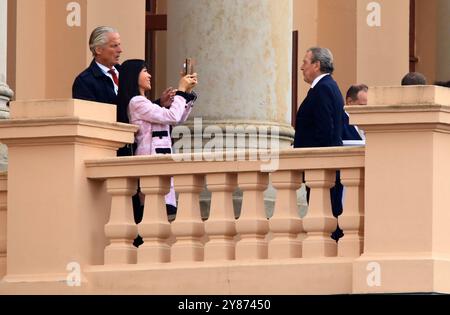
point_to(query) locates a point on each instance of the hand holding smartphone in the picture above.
(188, 67)
(188, 80)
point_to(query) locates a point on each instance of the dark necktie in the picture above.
(114, 76)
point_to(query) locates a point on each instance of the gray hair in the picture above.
(325, 57)
(99, 37)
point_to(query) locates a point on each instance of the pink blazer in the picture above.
(151, 117)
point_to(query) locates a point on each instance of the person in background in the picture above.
(351, 134)
(442, 83)
(414, 78)
(154, 121)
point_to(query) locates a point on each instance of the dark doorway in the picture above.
(153, 22)
(412, 36)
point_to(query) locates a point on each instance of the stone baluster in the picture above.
(351, 221)
(285, 223)
(221, 225)
(188, 226)
(154, 227)
(121, 229)
(319, 222)
(252, 226)
(3, 208)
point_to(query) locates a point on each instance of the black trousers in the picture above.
(336, 202)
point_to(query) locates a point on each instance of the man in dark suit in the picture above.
(99, 82)
(319, 118)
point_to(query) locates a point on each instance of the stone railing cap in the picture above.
(409, 95)
(32, 109)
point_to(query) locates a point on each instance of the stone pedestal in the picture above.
(55, 213)
(406, 239)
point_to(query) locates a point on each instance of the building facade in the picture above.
(73, 231)
(247, 52)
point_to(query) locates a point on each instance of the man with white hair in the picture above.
(99, 82)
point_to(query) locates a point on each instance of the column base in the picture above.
(232, 133)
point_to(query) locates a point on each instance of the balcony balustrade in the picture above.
(67, 226)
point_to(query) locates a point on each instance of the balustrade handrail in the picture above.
(289, 159)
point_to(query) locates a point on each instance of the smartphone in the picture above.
(188, 66)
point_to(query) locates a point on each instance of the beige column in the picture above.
(426, 38)
(305, 18)
(382, 42)
(5, 96)
(5, 92)
(432, 44)
(369, 39)
(3, 38)
(443, 35)
(406, 234)
(242, 51)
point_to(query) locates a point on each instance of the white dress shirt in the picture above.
(316, 80)
(105, 71)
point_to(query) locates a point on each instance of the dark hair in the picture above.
(128, 86)
(442, 83)
(414, 78)
(353, 91)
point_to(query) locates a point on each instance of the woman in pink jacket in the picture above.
(154, 121)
